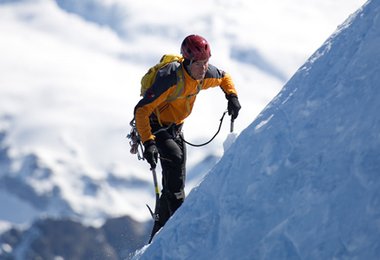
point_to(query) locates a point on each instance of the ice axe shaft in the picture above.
(156, 189)
(154, 213)
(232, 124)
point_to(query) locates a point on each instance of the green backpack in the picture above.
(149, 77)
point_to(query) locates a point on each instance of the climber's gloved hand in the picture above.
(233, 106)
(151, 153)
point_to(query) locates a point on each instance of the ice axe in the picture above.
(154, 214)
(157, 192)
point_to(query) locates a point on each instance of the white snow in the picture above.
(231, 137)
(69, 82)
(301, 181)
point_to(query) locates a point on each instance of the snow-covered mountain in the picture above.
(70, 73)
(302, 181)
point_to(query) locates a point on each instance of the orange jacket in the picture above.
(175, 111)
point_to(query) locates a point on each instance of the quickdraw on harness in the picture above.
(135, 141)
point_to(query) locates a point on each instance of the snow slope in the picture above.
(302, 181)
(69, 80)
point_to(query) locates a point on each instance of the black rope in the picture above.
(209, 141)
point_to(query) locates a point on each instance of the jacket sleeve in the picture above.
(216, 77)
(143, 111)
(227, 85)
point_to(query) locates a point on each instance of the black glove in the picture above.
(151, 153)
(233, 106)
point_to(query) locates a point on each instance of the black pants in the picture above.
(172, 152)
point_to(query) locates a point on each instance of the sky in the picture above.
(302, 180)
(70, 79)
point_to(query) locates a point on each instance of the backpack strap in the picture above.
(180, 85)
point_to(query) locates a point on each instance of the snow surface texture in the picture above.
(302, 181)
(70, 73)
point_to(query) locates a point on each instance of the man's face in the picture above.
(198, 69)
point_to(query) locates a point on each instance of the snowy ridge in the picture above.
(301, 182)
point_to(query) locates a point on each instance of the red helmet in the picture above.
(195, 47)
